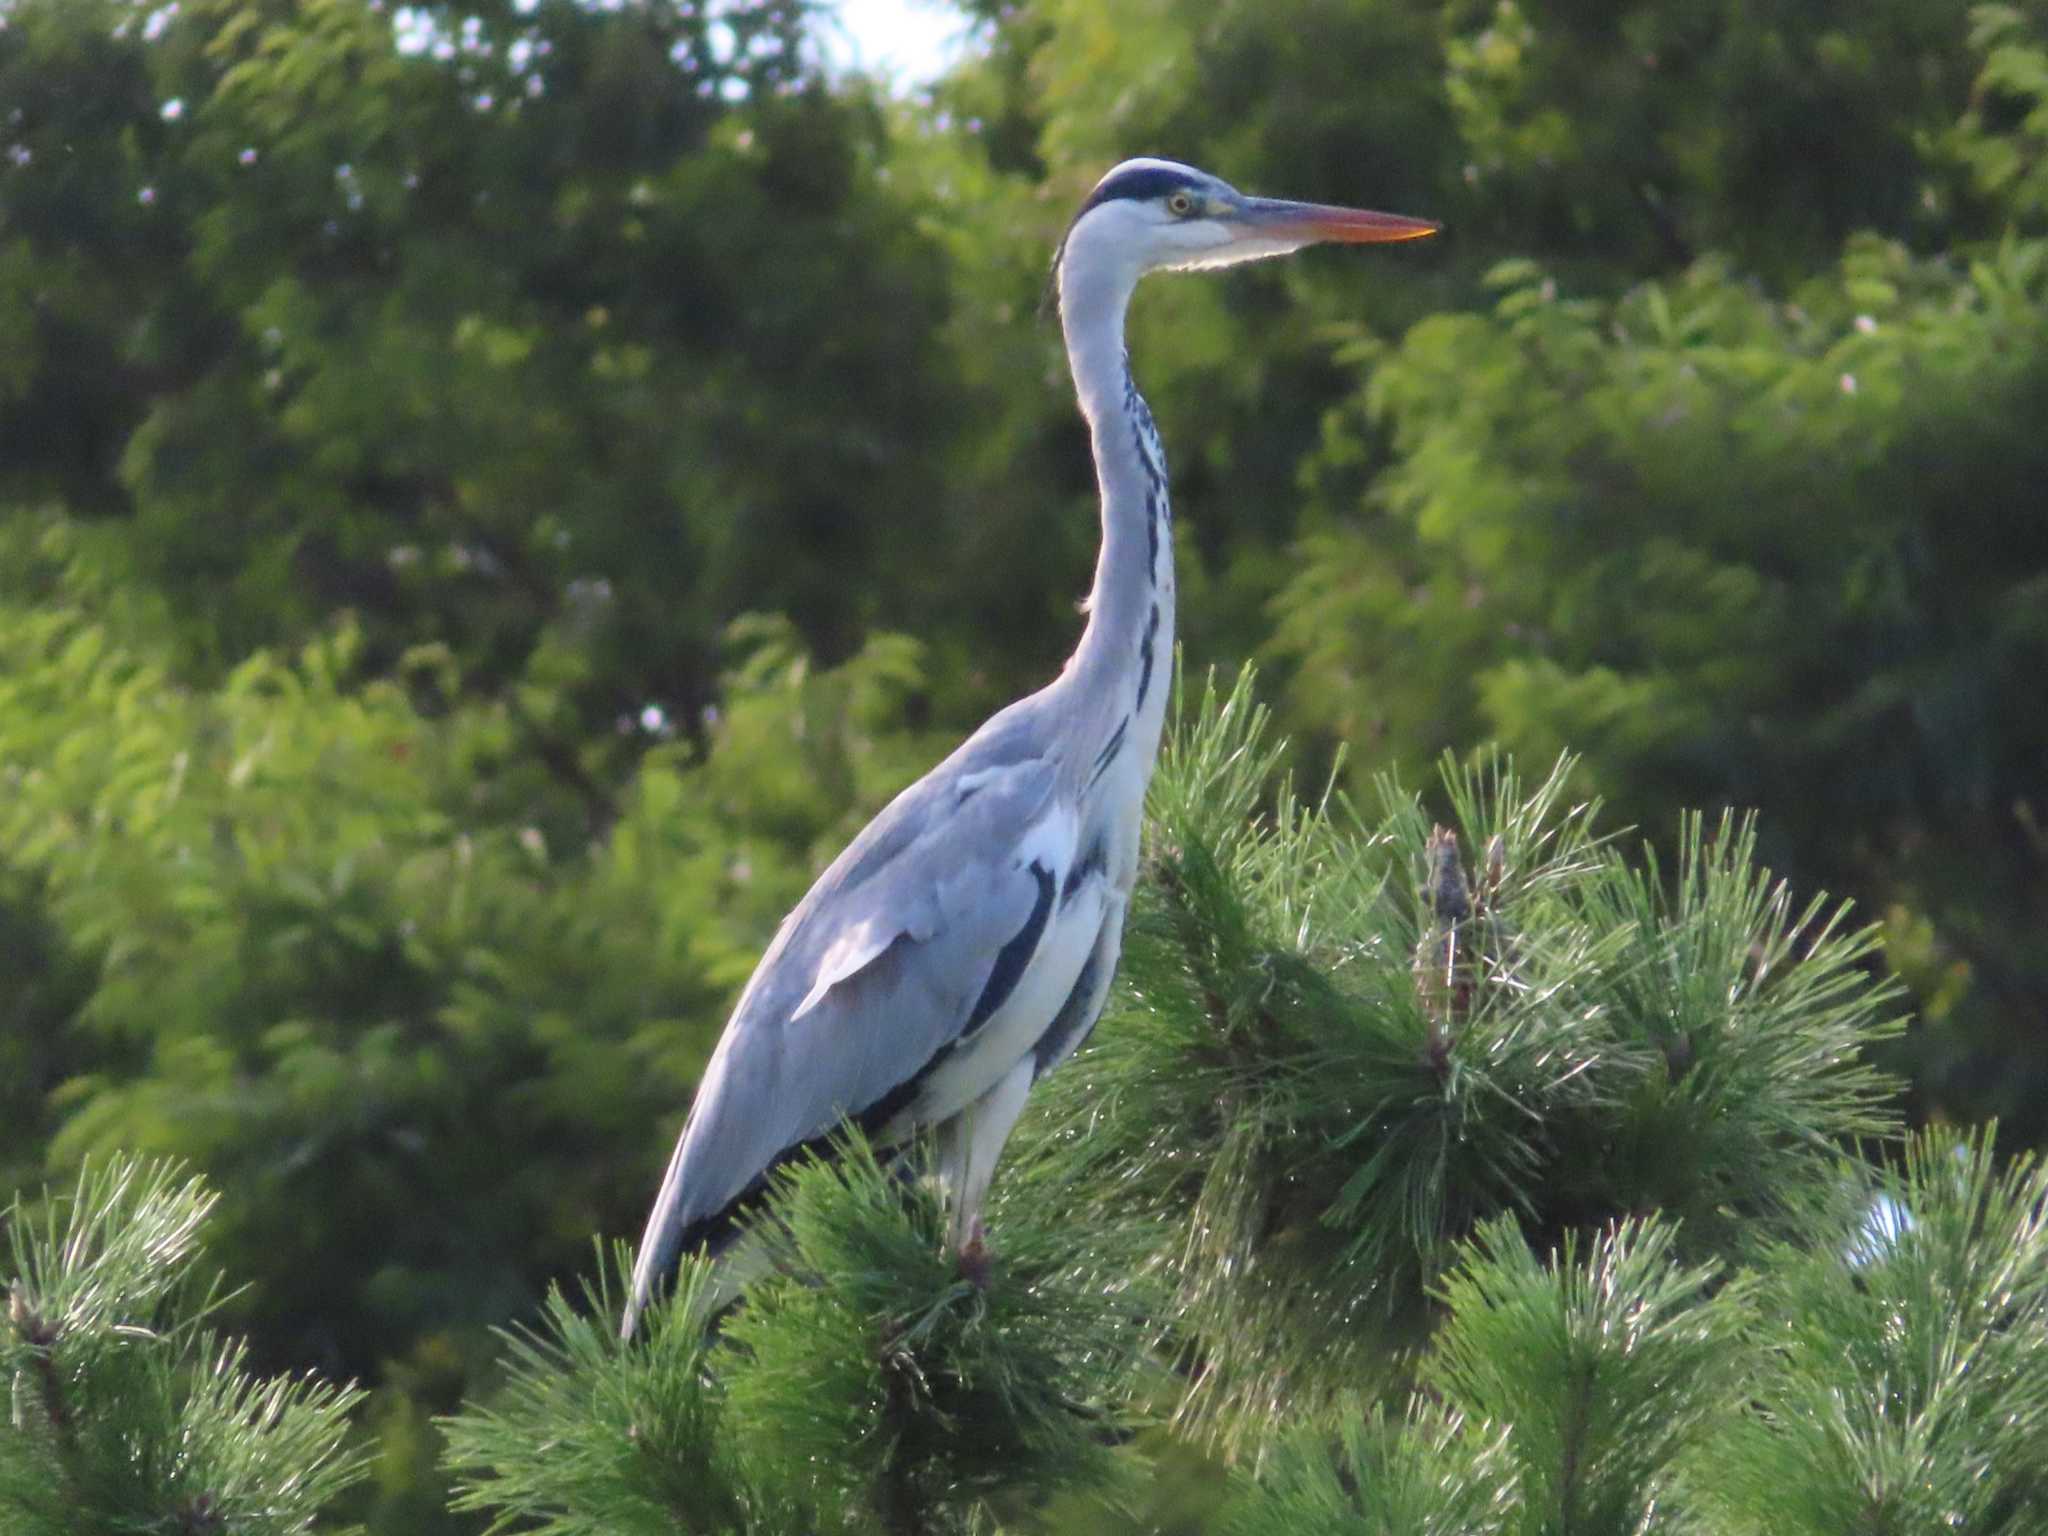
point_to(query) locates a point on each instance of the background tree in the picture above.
(487, 329)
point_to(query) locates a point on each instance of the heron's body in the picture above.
(964, 942)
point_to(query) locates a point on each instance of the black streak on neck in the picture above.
(1145, 655)
(1110, 749)
(1145, 446)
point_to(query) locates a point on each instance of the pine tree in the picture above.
(1470, 1177)
(1526, 1193)
(128, 1413)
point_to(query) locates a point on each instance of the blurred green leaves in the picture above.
(490, 337)
(1734, 549)
(367, 969)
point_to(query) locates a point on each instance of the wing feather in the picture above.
(868, 985)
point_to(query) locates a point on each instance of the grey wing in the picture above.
(869, 984)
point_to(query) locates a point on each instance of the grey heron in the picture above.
(963, 944)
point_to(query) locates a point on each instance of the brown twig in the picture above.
(40, 1335)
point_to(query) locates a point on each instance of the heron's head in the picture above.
(1149, 215)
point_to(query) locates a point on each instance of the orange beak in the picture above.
(1308, 222)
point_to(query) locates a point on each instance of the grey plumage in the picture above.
(964, 943)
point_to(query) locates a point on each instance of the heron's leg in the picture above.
(969, 1146)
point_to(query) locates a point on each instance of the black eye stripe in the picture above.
(1145, 182)
(1139, 185)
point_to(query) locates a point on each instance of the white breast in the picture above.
(1121, 794)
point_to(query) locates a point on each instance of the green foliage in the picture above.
(1736, 550)
(1708, 114)
(1364, 1053)
(865, 1385)
(1904, 1388)
(875, 1371)
(1604, 1367)
(437, 333)
(362, 965)
(128, 1415)
(2003, 137)
(1430, 1474)
(1884, 1375)
(1619, 140)
(1883, 1371)
(588, 1435)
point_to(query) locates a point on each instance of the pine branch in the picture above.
(862, 1385)
(1338, 1052)
(873, 1372)
(1891, 1374)
(1907, 1386)
(1352, 1089)
(589, 1435)
(1434, 1473)
(1605, 1366)
(145, 1421)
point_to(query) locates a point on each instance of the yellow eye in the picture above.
(1180, 205)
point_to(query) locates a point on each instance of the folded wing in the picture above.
(868, 987)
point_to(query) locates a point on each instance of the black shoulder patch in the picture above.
(1094, 862)
(1145, 182)
(1011, 959)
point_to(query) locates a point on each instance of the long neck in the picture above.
(1126, 651)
